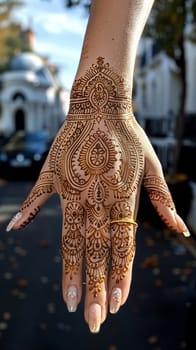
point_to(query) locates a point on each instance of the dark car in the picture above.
(24, 153)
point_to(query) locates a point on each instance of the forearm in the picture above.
(113, 32)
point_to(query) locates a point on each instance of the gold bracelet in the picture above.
(122, 220)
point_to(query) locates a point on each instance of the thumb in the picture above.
(40, 193)
(161, 198)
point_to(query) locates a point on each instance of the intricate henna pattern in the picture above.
(98, 158)
(123, 241)
(100, 92)
(158, 191)
(123, 249)
(95, 160)
(96, 164)
(44, 185)
(97, 235)
(73, 242)
(97, 257)
(30, 217)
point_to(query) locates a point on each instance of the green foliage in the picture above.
(71, 3)
(167, 23)
(11, 42)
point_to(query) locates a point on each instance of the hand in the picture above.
(97, 164)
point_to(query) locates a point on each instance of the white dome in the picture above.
(26, 61)
(30, 62)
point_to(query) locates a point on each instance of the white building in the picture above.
(30, 98)
(157, 97)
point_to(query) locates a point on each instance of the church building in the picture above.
(31, 98)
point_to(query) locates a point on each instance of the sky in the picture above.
(59, 33)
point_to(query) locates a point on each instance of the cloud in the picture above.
(53, 17)
(59, 32)
(56, 23)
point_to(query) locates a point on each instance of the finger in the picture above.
(97, 261)
(72, 248)
(42, 190)
(123, 232)
(161, 198)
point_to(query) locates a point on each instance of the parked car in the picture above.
(23, 153)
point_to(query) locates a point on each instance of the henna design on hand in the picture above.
(158, 191)
(97, 257)
(30, 217)
(98, 158)
(95, 160)
(97, 235)
(101, 92)
(73, 241)
(44, 185)
(123, 249)
(123, 241)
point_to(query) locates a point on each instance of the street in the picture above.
(158, 315)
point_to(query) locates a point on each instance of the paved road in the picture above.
(159, 314)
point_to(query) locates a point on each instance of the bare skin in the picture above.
(97, 164)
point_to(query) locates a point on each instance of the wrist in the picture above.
(101, 92)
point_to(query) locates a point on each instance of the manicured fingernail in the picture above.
(186, 233)
(181, 226)
(72, 299)
(94, 318)
(13, 221)
(115, 301)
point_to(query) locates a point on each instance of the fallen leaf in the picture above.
(8, 276)
(153, 339)
(44, 279)
(158, 283)
(7, 316)
(151, 261)
(176, 271)
(3, 326)
(2, 246)
(150, 242)
(10, 241)
(156, 271)
(166, 253)
(2, 256)
(44, 243)
(23, 282)
(64, 327)
(20, 251)
(57, 259)
(51, 307)
(112, 347)
(43, 326)
(146, 225)
(21, 296)
(56, 287)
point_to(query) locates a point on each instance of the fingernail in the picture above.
(181, 226)
(115, 301)
(13, 221)
(94, 318)
(186, 233)
(72, 299)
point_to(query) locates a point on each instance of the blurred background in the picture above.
(40, 45)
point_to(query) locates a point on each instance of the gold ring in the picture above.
(124, 220)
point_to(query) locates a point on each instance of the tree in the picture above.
(166, 27)
(11, 42)
(71, 3)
